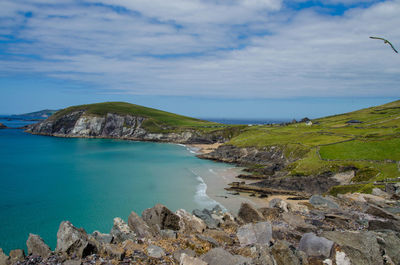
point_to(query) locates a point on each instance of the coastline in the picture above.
(217, 181)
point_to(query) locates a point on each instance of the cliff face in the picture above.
(80, 124)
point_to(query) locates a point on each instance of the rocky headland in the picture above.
(2, 126)
(348, 229)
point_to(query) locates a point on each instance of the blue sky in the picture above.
(205, 58)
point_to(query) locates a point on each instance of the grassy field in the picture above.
(332, 144)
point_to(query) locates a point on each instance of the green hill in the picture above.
(367, 139)
(157, 120)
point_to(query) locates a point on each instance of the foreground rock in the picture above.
(36, 246)
(339, 236)
(73, 241)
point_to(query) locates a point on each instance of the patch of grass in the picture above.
(365, 174)
(359, 150)
(361, 188)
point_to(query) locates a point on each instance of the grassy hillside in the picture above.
(157, 120)
(333, 144)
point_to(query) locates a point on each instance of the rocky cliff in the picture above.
(81, 124)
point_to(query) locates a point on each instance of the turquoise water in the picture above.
(45, 180)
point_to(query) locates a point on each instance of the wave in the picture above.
(201, 197)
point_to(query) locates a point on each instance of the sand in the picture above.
(204, 148)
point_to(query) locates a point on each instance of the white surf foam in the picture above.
(201, 196)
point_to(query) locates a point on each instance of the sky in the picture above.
(204, 58)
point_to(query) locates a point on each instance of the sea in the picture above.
(46, 180)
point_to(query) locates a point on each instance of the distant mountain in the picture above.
(42, 114)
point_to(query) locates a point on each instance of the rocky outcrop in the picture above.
(111, 125)
(36, 246)
(74, 241)
(284, 240)
(2, 126)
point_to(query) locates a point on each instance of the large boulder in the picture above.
(207, 217)
(315, 246)
(260, 233)
(121, 231)
(360, 247)
(249, 214)
(160, 217)
(189, 223)
(219, 256)
(138, 226)
(36, 246)
(279, 204)
(74, 241)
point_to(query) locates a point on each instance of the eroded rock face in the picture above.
(36, 246)
(74, 241)
(16, 255)
(160, 217)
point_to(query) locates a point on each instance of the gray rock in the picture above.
(168, 234)
(160, 217)
(138, 226)
(74, 241)
(390, 243)
(263, 256)
(384, 225)
(177, 254)
(360, 247)
(249, 214)
(283, 254)
(155, 252)
(121, 231)
(208, 239)
(315, 246)
(17, 255)
(279, 203)
(205, 215)
(36, 246)
(379, 192)
(297, 222)
(318, 200)
(379, 212)
(219, 256)
(189, 223)
(115, 251)
(3, 258)
(260, 233)
(102, 238)
(188, 260)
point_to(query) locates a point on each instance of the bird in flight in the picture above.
(386, 42)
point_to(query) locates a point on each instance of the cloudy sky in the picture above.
(207, 58)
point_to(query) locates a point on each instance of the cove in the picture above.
(46, 180)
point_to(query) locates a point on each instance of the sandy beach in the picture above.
(204, 148)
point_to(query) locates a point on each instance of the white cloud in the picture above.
(193, 47)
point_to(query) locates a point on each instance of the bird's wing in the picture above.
(391, 45)
(377, 38)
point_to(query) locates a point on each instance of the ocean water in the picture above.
(45, 180)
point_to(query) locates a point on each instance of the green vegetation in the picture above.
(332, 144)
(157, 120)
